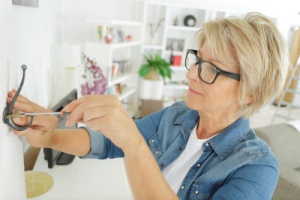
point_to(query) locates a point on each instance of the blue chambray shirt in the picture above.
(235, 164)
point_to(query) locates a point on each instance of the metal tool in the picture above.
(8, 110)
(23, 114)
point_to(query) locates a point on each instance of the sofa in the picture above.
(284, 140)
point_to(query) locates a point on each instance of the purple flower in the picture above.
(95, 81)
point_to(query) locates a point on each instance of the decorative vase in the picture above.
(152, 75)
(153, 38)
(151, 89)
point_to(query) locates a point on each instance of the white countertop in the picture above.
(86, 179)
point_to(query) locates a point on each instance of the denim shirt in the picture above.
(235, 164)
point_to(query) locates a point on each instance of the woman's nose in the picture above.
(192, 73)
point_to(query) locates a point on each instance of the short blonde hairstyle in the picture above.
(261, 53)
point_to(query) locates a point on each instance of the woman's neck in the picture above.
(210, 126)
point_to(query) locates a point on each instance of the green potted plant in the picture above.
(153, 73)
(155, 67)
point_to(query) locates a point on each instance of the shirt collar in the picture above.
(187, 119)
(224, 143)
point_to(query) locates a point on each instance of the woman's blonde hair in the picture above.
(260, 52)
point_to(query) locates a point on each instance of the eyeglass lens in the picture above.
(207, 72)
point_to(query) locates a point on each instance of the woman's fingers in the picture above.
(74, 116)
(21, 121)
(45, 122)
(20, 132)
(39, 133)
(106, 114)
(21, 98)
(79, 107)
(71, 106)
(22, 103)
(102, 114)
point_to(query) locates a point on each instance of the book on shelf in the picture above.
(117, 89)
(120, 67)
(114, 70)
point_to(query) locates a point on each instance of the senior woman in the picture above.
(202, 148)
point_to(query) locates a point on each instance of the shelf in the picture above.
(149, 46)
(178, 68)
(120, 79)
(113, 22)
(126, 93)
(183, 53)
(183, 28)
(176, 87)
(124, 44)
(121, 75)
(115, 45)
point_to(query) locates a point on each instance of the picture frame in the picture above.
(174, 44)
(30, 3)
(120, 36)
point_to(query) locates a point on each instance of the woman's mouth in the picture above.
(194, 92)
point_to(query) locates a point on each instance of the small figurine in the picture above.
(175, 23)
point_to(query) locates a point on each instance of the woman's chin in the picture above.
(191, 103)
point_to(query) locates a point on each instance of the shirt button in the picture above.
(157, 152)
(179, 148)
(198, 165)
(207, 144)
(196, 192)
(152, 141)
(182, 187)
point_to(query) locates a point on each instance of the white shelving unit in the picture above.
(177, 35)
(118, 61)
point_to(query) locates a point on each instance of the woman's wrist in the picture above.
(134, 145)
(50, 142)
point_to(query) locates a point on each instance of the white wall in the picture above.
(12, 177)
(75, 30)
(75, 12)
(41, 32)
(35, 44)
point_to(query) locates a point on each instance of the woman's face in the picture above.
(219, 98)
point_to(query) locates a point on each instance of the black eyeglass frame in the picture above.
(219, 71)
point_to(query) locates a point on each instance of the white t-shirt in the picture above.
(177, 170)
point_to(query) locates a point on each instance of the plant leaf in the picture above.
(161, 66)
(144, 70)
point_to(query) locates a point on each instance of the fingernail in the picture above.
(66, 114)
(68, 123)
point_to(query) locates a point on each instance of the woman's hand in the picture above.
(106, 114)
(39, 134)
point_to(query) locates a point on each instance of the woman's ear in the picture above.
(250, 99)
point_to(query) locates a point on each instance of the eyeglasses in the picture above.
(207, 71)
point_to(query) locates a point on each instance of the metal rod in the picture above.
(22, 114)
(41, 113)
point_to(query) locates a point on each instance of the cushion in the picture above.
(284, 141)
(288, 187)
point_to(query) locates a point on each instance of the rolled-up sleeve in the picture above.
(97, 144)
(102, 147)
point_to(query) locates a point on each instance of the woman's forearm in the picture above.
(145, 177)
(72, 141)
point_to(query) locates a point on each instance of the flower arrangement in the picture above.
(95, 81)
